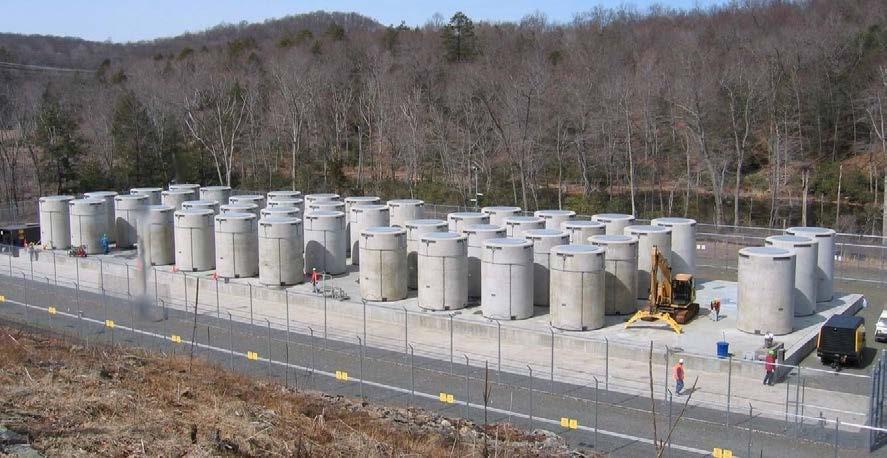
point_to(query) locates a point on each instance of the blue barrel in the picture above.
(723, 349)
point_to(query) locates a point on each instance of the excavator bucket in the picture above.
(647, 315)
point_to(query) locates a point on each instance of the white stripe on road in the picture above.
(374, 384)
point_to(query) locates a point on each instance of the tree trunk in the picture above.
(838, 205)
(806, 180)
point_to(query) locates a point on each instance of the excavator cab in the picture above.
(683, 290)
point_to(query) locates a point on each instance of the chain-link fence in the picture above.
(343, 345)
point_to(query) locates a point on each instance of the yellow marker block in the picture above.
(450, 399)
(109, 324)
(727, 454)
(251, 355)
(176, 339)
(342, 375)
(565, 422)
(722, 453)
(51, 309)
(574, 424)
(443, 397)
(2, 298)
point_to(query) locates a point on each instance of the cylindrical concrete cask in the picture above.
(257, 199)
(648, 237)
(543, 241)
(288, 212)
(578, 294)
(403, 210)
(195, 239)
(89, 221)
(361, 217)
(415, 230)
(159, 234)
(187, 187)
(326, 206)
(201, 205)
(237, 250)
(217, 194)
(242, 207)
(292, 202)
(323, 197)
(55, 222)
(383, 267)
(283, 194)
(507, 271)
(806, 253)
(358, 200)
(477, 234)
(580, 230)
(498, 214)
(766, 290)
(554, 218)
(443, 271)
(175, 197)
(456, 221)
(621, 264)
(325, 242)
(515, 226)
(108, 197)
(128, 208)
(683, 243)
(152, 193)
(825, 260)
(281, 251)
(615, 222)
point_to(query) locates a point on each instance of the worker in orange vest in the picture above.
(315, 277)
(679, 377)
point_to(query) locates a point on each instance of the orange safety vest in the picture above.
(315, 277)
(678, 371)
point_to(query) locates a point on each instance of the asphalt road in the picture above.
(297, 359)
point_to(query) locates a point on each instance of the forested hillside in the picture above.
(734, 115)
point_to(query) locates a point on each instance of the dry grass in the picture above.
(76, 401)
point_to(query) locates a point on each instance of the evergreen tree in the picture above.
(459, 39)
(56, 135)
(133, 138)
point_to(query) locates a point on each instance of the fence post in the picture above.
(467, 386)
(250, 285)
(55, 271)
(80, 324)
(412, 376)
(360, 349)
(452, 368)
(364, 319)
(531, 395)
(128, 289)
(27, 302)
(156, 294)
(323, 293)
(231, 341)
(286, 368)
(406, 329)
(750, 418)
(132, 320)
(76, 268)
(218, 308)
(311, 348)
(729, 388)
(607, 364)
(498, 350)
(665, 379)
(551, 329)
(837, 431)
(596, 405)
(269, 346)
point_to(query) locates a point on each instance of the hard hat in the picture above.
(772, 352)
(681, 361)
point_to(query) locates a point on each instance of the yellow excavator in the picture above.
(672, 299)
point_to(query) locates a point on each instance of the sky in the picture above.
(134, 20)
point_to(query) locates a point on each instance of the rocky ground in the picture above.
(58, 398)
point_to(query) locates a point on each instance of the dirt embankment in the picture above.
(61, 399)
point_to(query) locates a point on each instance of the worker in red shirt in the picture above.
(679, 377)
(315, 277)
(770, 368)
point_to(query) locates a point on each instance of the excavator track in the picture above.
(685, 315)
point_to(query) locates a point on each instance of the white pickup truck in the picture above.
(881, 327)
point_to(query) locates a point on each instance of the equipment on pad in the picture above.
(672, 300)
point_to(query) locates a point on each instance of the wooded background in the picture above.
(758, 112)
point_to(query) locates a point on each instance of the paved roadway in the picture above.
(624, 421)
